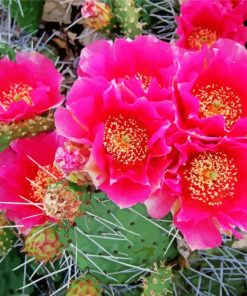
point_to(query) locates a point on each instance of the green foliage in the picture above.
(6, 50)
(10, 280)
(117, 245)
(4, 142)
(27, 13)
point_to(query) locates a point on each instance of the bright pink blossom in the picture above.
(26, 171)
(211, 90)
(237, 6)
(28, 86)
(146, 65)
(204, 22)
(212, 198)
(126, 134)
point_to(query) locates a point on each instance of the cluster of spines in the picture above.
(128, 16)
(159, 282)
(7, 235)
(159, 17)
(27, 128)
(117, 245)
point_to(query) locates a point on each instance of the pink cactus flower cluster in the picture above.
(145, 122)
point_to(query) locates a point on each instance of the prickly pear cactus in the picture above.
(84, 286)
(43, 243)
(7, 236)
(117, 245)
(128, 16)
(159, 17)
(11, 280)
(25, 128)
(159, 283)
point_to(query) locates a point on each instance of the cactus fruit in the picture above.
(97, 14)
(117, 245)
(6, 235)
(60, 202)
(43, 243)
(84, 286)
(159, 283)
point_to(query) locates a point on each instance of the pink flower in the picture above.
(211, 90)
(26, 171)
(212, 198)
(28, 86)
(204, 22)
(126, 134)
(238, 6)
(146, 65)
(161, 200)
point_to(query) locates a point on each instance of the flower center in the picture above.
(200, 36)
(219, 100)
(211, 178)
(16, 92)
(126, 140)
(46, 176)
(143, 78)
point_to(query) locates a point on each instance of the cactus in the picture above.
(43, 243)
(27, 13)
(159, 17)
(10, 279)
(83, 286)
(117, 245)
(7, 236)
(25, 128)
(128, 16)
(159, 283)
(219, 271)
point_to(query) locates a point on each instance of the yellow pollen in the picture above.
(143, 78)
(44, 178)
(16, 92)
(200, 36)
(219, 100)
(211, 178)
(126, 140)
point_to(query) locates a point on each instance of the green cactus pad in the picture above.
(25, 128)
(128, 16)
(117, 245)
(7, 235)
